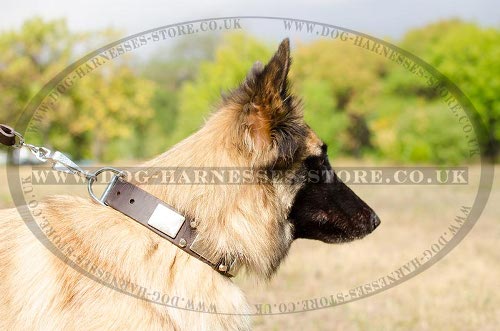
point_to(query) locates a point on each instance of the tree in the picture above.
(468, 55)
(170, 67)
(28, 59)
(338, 82)
(103, 106)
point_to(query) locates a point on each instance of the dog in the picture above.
(260, 126)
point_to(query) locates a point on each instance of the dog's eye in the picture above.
(314, 162)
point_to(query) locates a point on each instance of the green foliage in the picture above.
(468, 55)
(28, 58)
(338, 82)
(321, 113)
(102, 109)
(359, 102)
(109, 104)
(169, 68)
(412, 130)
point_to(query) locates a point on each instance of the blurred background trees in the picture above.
(90, 121)
(338, 83)
(470, 57)
(361, 104)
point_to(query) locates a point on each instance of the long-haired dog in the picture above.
(259, 126)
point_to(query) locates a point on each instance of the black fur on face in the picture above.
(326, 209)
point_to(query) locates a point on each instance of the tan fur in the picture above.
(256, 126)
(40, 291)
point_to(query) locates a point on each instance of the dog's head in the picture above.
(272, 132)
(260, 126)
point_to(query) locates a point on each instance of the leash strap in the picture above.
(7, 136)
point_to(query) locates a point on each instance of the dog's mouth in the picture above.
(340, 236)
(333, 233)
(331, 213)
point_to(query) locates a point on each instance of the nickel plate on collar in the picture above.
(166, 220)
(228, 267)
(198, 248)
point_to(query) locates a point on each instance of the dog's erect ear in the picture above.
(267, 109)
(276, 71)
(272, 79)
(269, 120)
(254, 72)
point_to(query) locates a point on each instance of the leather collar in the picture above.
(163, 220)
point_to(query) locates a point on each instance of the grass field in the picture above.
(460, 292)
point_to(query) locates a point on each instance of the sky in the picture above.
(379, 18)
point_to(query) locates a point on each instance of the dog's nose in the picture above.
(374, 221)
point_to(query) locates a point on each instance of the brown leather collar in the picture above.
(163, 220)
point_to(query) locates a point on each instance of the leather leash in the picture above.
(7, 136)
(133, 202)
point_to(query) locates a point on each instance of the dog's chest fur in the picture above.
(117, 250)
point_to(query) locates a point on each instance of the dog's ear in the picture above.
(275, 74)
(253, 74)
(271, 80)
(268, 108)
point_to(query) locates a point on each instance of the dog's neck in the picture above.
(222, 212)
